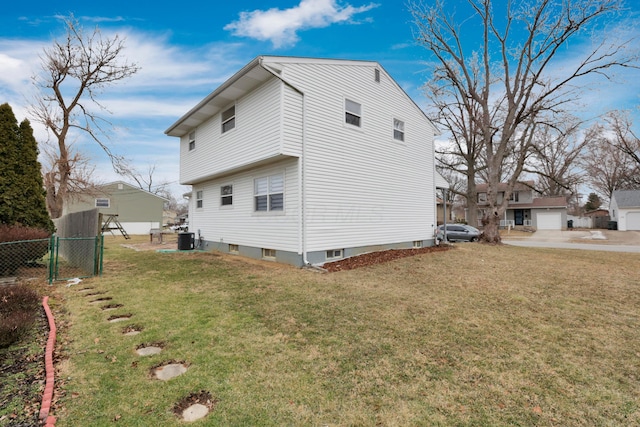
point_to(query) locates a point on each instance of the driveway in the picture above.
(595, 240)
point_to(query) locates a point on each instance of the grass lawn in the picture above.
(478, 335)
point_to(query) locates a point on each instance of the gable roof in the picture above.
(252, 75)
(627, 198)
(132, 187)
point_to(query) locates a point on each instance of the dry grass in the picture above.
(479, 335)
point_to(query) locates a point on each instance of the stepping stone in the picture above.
(131, 330)
(148, 351)
(172, 370)
(114, 319)
(195, 412)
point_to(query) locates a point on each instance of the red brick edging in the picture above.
(49, 370)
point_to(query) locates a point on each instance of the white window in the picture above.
(192, 141)
(269, 193)
(229, 119)
(482, 197)
(268, 253)
(234, 249)
(352, 112)
(103, 203)
(515, 196)
(417, 244)
(199, 199)
(398, 130)
(226, 195)
(334, 254)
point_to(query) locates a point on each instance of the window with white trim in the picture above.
(515, 196)
(192, 141)
(234, 249)
(103, 203)
(334, 254)
(269, 193)
(417, 244)
(228, 119)
(352, 112)
(398, 130)
(226, 195)
(482, 197)
(199, 199)
(268, 253)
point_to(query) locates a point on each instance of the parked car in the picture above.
(180, 227)
(458, 232)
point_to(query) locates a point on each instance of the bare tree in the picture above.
(505, 84)
(625, 138)
(74, 73)
(555, 154)
(143, 180)
(607, 167)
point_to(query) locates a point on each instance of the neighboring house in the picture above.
(138, 211)
(526, 209)
(625, 209)
(307, 161)
(443, 185)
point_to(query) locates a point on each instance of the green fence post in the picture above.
(52, 244)
(101, 251)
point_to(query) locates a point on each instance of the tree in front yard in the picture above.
(495, 62)
(22, 196)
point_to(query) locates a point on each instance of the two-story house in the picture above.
(306, 161)
(137, 210)
(526, 208)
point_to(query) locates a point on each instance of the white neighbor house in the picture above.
(625, 209)
(306, 161)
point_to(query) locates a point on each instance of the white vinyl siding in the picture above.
(360, 190)
(242, 225)
(257, 136)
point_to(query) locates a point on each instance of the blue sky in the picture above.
(186, 50)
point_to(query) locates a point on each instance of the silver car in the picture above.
(458, 232)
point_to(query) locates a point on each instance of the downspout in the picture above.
(301, 168)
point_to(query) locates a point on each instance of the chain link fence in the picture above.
(25, 258)
(56, 258)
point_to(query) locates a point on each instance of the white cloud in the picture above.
(281, 26)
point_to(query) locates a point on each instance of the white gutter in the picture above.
(301, 168)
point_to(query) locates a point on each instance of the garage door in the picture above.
(549, 221)
(633, 221)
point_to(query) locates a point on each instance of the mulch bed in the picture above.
(379, 257)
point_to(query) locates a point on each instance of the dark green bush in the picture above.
(19, 307)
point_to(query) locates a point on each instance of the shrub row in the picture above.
(19, 307)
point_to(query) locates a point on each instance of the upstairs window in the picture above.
(515, 197)
(192, 141)
(103, 203)
(226, 195)
(482, 197)
(398, 130)
(229, 119)
(199, 199)
(352, 112)
(269, 193)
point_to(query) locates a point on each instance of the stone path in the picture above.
(194, 409)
